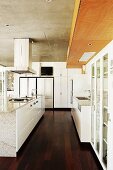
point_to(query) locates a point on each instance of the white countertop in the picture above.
(11, 106)
(83, 102)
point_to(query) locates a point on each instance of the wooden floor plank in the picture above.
(53, 145)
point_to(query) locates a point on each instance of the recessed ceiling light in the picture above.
(90, 44)
(86, 56)
(48, 0)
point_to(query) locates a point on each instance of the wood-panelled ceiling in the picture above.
(93, 29)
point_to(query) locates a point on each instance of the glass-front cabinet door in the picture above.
(1, 86)
(98, 105)
(99, 111)
(105, 110)
(92, 101)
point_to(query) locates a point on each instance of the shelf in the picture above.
(106, 124)
(111, 67)
(106, 107)
(105, 72)
(105, 77)
(105, 90)
(105, 140)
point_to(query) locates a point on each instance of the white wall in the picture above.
(81, 85)
(81, 81)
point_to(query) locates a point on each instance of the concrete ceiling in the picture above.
(47, 23)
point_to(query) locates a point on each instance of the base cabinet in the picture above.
(82, 120)
(26, 119)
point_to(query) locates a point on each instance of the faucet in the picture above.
(33, 92)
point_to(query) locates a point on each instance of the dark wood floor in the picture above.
(53, 145)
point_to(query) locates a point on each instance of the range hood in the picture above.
(22, 56)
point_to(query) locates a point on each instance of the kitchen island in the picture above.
(17, 120)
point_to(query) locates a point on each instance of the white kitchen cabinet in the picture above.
(2, 85)
(82, 118)
(101, 114)
(60, 85)
(26, 119)
(60, 70)
(72, 72)
(78, 85)
(60, 92)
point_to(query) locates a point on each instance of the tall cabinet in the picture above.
(60, 88)
(99, 113)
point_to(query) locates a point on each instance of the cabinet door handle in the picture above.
(94, 107)
(109, 119)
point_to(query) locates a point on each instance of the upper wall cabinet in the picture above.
(2, 77)
(60, 72)
(73, 72)
(60, 69)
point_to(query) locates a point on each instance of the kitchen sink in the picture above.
(82, 98)
(20, 99)
(17, 100)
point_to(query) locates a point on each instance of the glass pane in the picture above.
(0, 83)
(97, 105)
(105, 107)
(1, 86)
(23, 87)
(32, 87)
(10, 81)
(92, 103)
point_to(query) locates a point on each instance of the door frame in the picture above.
(36, 85)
